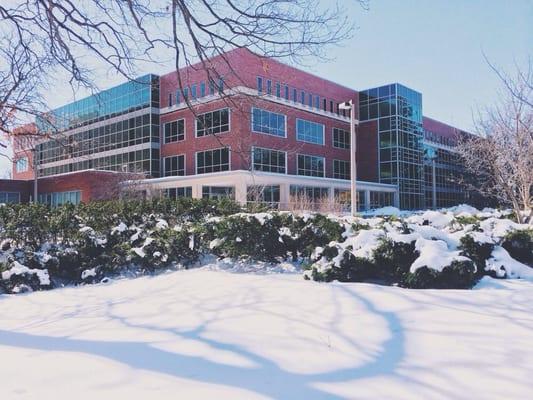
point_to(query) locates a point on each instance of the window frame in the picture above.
(266, 133)
(333, 138)
(211, 150)
(212, 134)
(165, 141)
(176, 156)
(312, 122)
(310, 155)
(269, 172)
(348, 169)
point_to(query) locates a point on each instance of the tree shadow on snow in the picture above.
(265, 377)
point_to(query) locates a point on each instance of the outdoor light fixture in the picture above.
(348, 105)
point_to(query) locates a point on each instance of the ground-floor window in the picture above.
(343, 196)
(174, 193)
(218, 192)
(263, 194)
(56, 199)
(312, 193)
(9, 197)
(381, 199)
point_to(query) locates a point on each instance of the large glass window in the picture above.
(310, 165)
(269, 160)
(268, 122)
(174, 193)
(341, 169)
(22, 164)
(174, 131)
(212, 161)
(174, 166)
(212, 122)
(57, 199)
(263, 194)
(313, 193)
(218, 192)
(341, 138)
(310, 132)
(9, 197)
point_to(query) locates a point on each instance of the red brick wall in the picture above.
(20, 186)
(440, 128)
(367, 151)
(241, 138)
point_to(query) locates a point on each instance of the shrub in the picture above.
(458, 275)
(519, 244)
(393, 259)
(478, 252)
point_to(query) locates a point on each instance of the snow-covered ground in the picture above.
(212, 334)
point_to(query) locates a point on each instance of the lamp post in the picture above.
(348, 105)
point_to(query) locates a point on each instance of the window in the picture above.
(267, 160)
(341, 138)
(331, 109)
(174, 166)
(317, 102)
(278, 89)
(220, 85)
(263, 194)
(211, 88)
(202, 89)
(294, 95)
(59, 198)
(22, 164)
(174, 193)
(193, 92)
(310, 165)
(310, 132)
(325, 105)
(286, 92)
(264, 121)
(212, 161)
(178, 97)
(315, 194)
(174, 131)
(341, 169)
(310, 100)
(212, 122)
(218, 192)
(9, 197)
(170, 99)
(302, 97)
(269, 86)
(186, 93)
(259, 85)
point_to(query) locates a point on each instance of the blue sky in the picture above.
(433, 46)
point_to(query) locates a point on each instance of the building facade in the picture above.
(268, 133)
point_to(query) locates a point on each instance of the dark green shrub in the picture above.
(393, 259)
(477, 252)
(519, 244)
(458, 275)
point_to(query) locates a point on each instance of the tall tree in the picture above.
(501, 157)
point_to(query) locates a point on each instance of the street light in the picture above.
(348, 105)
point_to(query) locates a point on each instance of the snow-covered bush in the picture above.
(519, 244)
(457, 275)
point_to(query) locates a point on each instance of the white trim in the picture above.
(212, 134)
(312, 122)
(265, 133)
(253, 93)
(311, 155)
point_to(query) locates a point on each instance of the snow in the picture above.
(119, 228)
(211, 334)
(88, 273)
(19, 269)
(384, 211)
(434, 254)
(506, 266)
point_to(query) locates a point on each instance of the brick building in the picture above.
(259, 131)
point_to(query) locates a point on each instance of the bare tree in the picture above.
(501, 157)
(67, 38)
